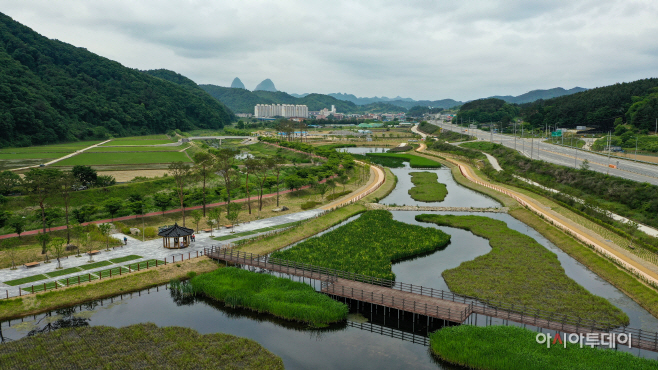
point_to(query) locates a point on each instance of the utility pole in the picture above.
(522, 139)
(636, 138)
(491, 131)
(514, 135)
(532, 146)
(609, 141)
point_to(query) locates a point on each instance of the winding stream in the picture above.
(371, 339)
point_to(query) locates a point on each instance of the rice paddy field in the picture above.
(138, 148)
(55, 148)
(138, 346)
(367, 245)
(520, 271)
(511, 348)
(266, 293)
(91, 159)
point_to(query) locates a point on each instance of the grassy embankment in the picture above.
(272, 243)
(138, 346)
(92, 159)
(414, 160)
(644, 295)
(522, 272)
(510, 348)
(280, 297)
(96, 289)
(427, 188)
(368, 245)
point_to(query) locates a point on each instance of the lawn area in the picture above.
(367, 245)
(63, 272)
(414, 161)
(126, 258)
(90, 159)
(40, 287)
(78, 279)
(60, 148)
(145, 137)
(139, 142)
(139, 346)
(95, 265)
(26, 280)
(252, 232)
(145, 264)
(511, 347)
(427, 188)
(520, 271)
(112, 272)
(137, 148)
(281, 297)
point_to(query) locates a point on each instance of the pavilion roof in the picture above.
(176, 231)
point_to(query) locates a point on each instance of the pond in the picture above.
(372, 338)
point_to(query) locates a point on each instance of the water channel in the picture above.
(372, 337)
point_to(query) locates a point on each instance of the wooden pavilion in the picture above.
(180, 234)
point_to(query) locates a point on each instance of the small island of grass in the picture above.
(141, 346)
(511, 348)
(427, 188)
(522, 272)
(281, 297)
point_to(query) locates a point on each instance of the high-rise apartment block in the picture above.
(283, 110)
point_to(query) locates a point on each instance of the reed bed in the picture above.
(427, 187)
(511, 348)
(266, 293)
(367, 245)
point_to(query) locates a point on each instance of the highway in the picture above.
(570, 157)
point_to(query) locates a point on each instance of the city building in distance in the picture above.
(283, 110)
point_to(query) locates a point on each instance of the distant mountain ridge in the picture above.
(266, 85)
(237, 84)
(535, 95)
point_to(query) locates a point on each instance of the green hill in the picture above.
(597, 107)
(51, 91)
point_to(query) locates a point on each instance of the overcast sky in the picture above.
(430, 49)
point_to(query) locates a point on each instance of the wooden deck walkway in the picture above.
(430, 302)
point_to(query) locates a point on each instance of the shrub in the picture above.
(309, 205)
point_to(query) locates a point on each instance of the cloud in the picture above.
(422, 49)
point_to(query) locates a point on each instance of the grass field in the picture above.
(145, 137)
(511, 348)
(40, 287)
(138, 142)
(63, 272)
(31, 155)
(414, 161)
(252, 232)
(137, 148)
(427, 188)
(140, 346)
(281, 297)
(126, 258)
(95, 265)
(367, 245)
(60, 148)
(26, 280)
(90, 159)
(520, 271)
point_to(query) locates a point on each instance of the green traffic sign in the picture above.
(556, 133)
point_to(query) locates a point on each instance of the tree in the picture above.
(88, 244)
(264, 166)
(78, 232)
(277, 164)
(9, 245)
(86, 175)
(105, 231)
(213, 217)
(84, 213)
(251, 165)
(8, 182)
(41, 184)
(112, 206)
(342, 179)
(44, 238)
(181, 173)
(322, 189)
(57, 246)
(294, 182)
(233, 213)
(196, 216)
(203, 162)
(17, 222)
(585, 165)
(225, 167)
(52, 215)
(65, 186)
(162, 201)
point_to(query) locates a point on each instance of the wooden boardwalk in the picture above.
(430, 302)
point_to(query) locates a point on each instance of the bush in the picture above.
(150, 232)
(310, 205)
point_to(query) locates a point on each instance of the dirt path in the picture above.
(639, 267)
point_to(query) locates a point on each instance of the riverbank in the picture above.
(134, 347)
(511, 348)
(96, 289)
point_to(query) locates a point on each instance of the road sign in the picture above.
(556, 133)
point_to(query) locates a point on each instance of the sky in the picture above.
(423, 49)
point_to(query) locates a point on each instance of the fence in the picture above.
(97, 275)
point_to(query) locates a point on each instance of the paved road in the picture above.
(536, 149)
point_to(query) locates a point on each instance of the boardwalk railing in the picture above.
(492, 308)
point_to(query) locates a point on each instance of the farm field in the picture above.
(137, 148)
(367, 245)
(90, 159)
(520, 271)
(30, 155)
(139, 142)
(56, 148)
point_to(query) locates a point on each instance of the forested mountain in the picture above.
(487, 110)
(51, 91)
(597, 107)
(444, 103)
(534, 95)
(243, 101)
